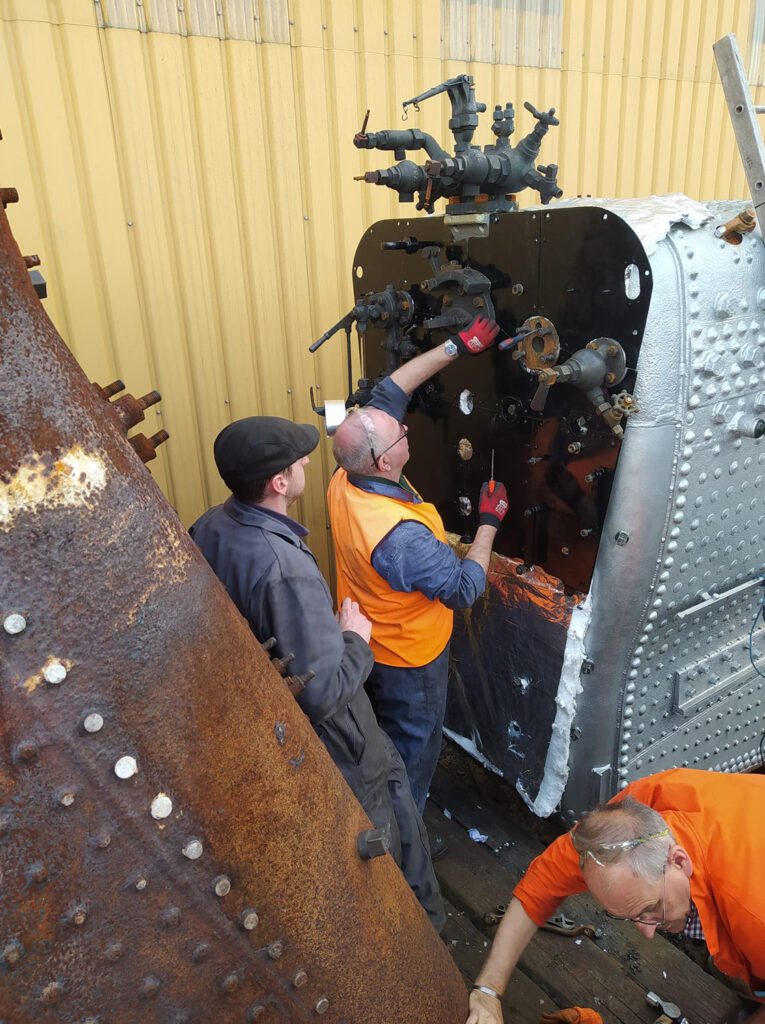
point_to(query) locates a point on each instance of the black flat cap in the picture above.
(259, 447)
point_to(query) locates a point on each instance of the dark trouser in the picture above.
(410, 705)
(373, 769)
(416, 864)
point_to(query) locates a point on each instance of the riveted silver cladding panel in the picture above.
(672, 683)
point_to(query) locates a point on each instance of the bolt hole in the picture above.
(739, 108)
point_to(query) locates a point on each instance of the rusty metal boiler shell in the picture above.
(175, 842)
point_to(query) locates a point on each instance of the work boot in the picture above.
(439, 846)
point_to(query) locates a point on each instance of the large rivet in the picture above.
(126, 767)
(248, 919)
(193, 849)
(161, 806)
(276, 949)
(321, 1005)
(201, 952)
(222, 885)
(114, 951)
(150, 986)
(52, 992)
(171, 917)
(54, 673)
(93, 722)
(12, 951)
(299, 978)
(14, 623)
(255, 1011)
(230, 983)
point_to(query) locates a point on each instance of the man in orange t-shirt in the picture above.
(680, 851)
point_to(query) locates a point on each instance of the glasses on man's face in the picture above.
(401, 436)
(649, 916)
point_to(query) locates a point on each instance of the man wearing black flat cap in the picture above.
(258, 552)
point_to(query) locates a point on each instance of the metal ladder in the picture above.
(743, 115)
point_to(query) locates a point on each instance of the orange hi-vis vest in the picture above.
(408, 629)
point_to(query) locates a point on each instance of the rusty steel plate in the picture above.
(175, 843)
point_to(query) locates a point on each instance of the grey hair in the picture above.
(625, 832)
(354, 452)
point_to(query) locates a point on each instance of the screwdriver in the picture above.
(491, 477)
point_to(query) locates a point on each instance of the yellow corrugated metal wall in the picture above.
(185, 170)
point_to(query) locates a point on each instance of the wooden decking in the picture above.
(611, 973)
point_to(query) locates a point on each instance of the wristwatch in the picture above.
(450, 348)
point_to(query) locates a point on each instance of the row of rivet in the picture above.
(161, 807)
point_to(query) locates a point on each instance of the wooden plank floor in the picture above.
(610, 974)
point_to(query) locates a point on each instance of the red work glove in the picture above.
(492, 508)
(476, 338)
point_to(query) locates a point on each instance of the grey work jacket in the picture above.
(273, 579)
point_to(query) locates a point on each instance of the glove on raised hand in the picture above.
(492, 508)
(477, 337)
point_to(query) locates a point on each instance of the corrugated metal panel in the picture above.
(188, 178)
(261, 21)
(522, 32)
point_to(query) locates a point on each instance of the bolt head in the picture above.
(201, 952)
(249, 919)
(12, 952)
(151, 985)
(222, 885)
(140, 883)
(38, 872)
(161, 806)
(66, 797)
(78, 916)
(321, 1005)
(299, 978)
(255, 1011)
(126, 767)
(93, 722)
(52, 992)
(230, 983)
(26, 751)
(621, 538)
(114, 951)
(193, 849)
(276, 949)
(14, 623)
(55, 673)
(171, 917)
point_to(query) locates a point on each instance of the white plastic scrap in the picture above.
(476, 836)
(447, 813)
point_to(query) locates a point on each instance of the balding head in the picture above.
(363, 432)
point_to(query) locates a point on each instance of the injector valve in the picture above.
(473, 180)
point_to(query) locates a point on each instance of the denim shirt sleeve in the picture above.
(410, 558)
(389, 397)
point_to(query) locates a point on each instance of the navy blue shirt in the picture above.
(410, 557)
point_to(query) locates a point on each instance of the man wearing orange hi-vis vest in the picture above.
(392, 557)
